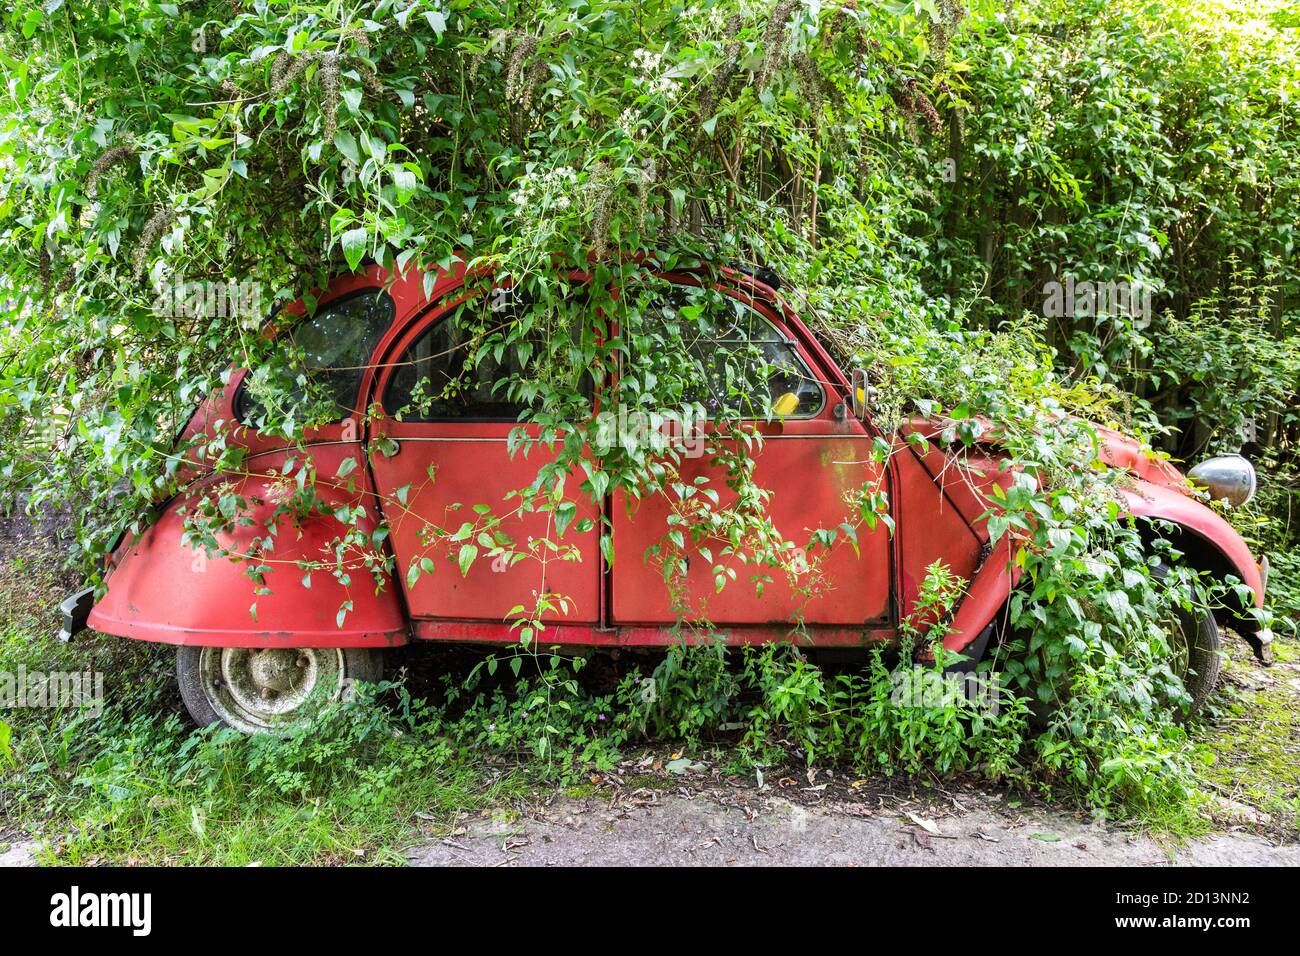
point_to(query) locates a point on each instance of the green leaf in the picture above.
(346, 144)
(404, 183)
(564, 514)
(437, 22)
(354, 246)
(341, 218)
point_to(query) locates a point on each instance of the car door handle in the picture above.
(386, 446)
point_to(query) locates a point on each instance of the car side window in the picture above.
(742, 362)
(433, 383)
(323, 358)
(458, 369)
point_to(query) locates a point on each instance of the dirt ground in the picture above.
(732, 825)
(16, 854)
(729, 826)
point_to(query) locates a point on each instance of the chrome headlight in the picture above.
(1228, 477)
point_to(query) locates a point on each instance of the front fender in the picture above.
(1147, 500)
(1210, 543)
(162, 590)
(1215, 546)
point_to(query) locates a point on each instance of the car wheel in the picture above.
(260, 690)
(1194, 638)
(1195, 642)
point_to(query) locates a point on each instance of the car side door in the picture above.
(814, 464)
(470, 541)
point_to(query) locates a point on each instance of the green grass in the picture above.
(139, 785)
(1256, 741)
(178, 798)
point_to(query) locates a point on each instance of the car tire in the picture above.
(1197, 644)
(268, 690)
(1201, 675)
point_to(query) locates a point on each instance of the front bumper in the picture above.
(75, 611)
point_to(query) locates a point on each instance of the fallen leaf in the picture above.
(926, 825)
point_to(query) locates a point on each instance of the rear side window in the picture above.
(317, 372)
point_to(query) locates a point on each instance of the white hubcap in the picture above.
(259, 689)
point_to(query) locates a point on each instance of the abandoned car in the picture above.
(377, 334)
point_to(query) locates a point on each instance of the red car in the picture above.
(377, 334)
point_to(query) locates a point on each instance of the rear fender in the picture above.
(985, 598)
(1209, 543)
(160, 589)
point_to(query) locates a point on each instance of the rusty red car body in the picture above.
(160, 590)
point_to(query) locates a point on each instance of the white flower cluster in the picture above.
(714, 20)
(632, 122)
(651, 72)
(552, 189)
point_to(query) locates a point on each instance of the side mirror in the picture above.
(862, 395)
